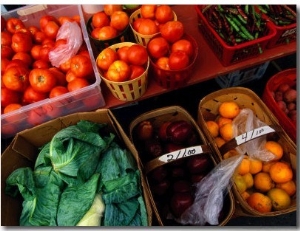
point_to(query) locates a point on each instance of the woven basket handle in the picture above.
(175, 155)
(246, 137)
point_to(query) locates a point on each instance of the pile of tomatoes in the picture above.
(127, 62)
(109, 23)
(27, 74)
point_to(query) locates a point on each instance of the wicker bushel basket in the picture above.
(160, 207)
(245, 98)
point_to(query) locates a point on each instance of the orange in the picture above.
(226, 131)
(275, 148)
(280, 199)
(245, 195)
(244, 166)
(222, 120)
(240, 183)
(229, 109)
(248, 178)
(281, 172)
(230, 153)
(289, 187)
(266, 166)
(263, 182)
(219, 141)
(213, 128)
(260, 202)
(255, 165)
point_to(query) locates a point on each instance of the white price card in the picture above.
(181, 153)
(255, 133)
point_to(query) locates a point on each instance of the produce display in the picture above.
(280, 15)
(82, 177)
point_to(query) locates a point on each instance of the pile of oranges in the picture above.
(266, 186)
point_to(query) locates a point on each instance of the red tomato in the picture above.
(163, 14)
(32, 96)
(123, 53)
(118, 71)
(39, 37)
(4, 63)
(65, 66)
(45, 49)
(41, 64)
(9, 96)
(100, 19)
(24, 56)
(13, 24)
(63, 19)
(104, 33)
(16, 63)
(178, 60)
(106, 57)
(70, 75)
(77, 83)
(58, 90)
(119, 20)
(6, 38)
(37, 116)
(52, 111)
(11, 107)
(110, 9)
(163, 63)
(147, 27)
(136, 23)
(21, 42)
(148, 11)
(16, 78)
(136, 71)
(6, 52)
(158, 47)
(33, 30)
(183, 45)
(35, 51)
(172, 31)
(59, 42)
(81, 66)
(59, 75)
(42, 80)
(45, 19)
(51, 29)
(137, 55)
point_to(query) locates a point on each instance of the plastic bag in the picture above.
(72, 33)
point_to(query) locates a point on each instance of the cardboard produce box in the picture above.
(23, 151)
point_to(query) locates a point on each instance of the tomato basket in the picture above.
(227, 54)
(128, 90)
(287, 76)
(140, 38)
(172, 79)
(157, 117)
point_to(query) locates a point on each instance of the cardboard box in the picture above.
(24, 149)
(85, 99)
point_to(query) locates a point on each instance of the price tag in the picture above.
(181, 153)
(255, 133)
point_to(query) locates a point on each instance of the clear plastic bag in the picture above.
(72, 33)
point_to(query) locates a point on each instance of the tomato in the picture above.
(45, 19)
(137, 55)
(148, 11)
(136, 23)
(123, 53)
(106, 57)
(70, 75)
(41, 64)
(59, 42)
(6, 52)
(118, 71)
(178, 60)
(147, 27)
(172, 31)
(77, 84)
(39, 37)
(37, 116)
(136, 71)
(51, 29)
(81, 66)
(6, 38)
(24, 56)
(16, 78)
(21, 42)
(110, 9)
(33, 30)
(163, 63)
(65, 66)
(16, 63)
(11, 107)
(13, 24)
(158, 47)
(58, 90)
(163, 14)
(63, 19)
(119, 20)
(4, 63)
(183, 45)
(42, 80)
(104, 33)
(59, 75)
(47, 46)
(52, 111)
(9, 96)
(100, 19)
(31, 96)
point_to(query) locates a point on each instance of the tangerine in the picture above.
(244, 166)
(255, 165)
(229, 109)
(262, 182)
(275, 148)
(226, 131)
(280, 199)
(230, 153)
(248, 178)
(266, 166)
(219, 141)
(222, 120)
(281, 172)
(245, 195)
(213, 128)
(260, 202)
(289, 187)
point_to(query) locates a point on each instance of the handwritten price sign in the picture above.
(255, 133)
(185, 152)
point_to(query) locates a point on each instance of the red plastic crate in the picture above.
(229, 55)
(287, 76)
